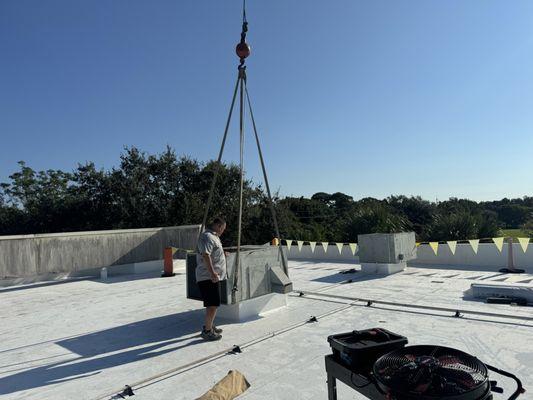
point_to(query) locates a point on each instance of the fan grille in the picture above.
(431, 372)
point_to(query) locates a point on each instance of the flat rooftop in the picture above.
(86, 339)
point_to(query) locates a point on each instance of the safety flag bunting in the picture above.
(452, 244)
(434, 246)
(325, 246)
(523, 243)
(313, 245)
(475, 244)
(353, 248)
(289, 244)
(339, 246)
(300, 244)
(498, 242)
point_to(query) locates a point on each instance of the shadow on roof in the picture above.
(342, 278)
(129, 343)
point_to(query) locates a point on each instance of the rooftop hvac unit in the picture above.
(387, 248)
(260, 273)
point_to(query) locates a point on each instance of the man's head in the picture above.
(218, 225)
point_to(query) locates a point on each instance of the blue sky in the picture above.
(370, 98)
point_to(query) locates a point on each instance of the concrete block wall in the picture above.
(37, 255)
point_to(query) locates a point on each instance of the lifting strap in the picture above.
(244, 100)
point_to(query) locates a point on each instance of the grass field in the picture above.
(514, 233)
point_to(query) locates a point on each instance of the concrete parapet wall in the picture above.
(488, 257)
(55, 253)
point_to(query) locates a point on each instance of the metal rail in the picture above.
(214, 356)
(457, 311)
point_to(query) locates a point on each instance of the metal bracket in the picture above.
(235, 350)
(128, 391)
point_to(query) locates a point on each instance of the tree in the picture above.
(341, 201)
(461, 225)
(513, 215)
(311, 219)
(43, 196)
(419, 212)
(373, 218)
(150, 190)
(488, 225)
(322, 197)
(452, 226)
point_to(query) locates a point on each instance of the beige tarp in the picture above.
(229, 387)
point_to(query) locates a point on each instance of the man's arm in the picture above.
(209, 263)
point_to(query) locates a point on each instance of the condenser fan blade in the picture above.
(459, 377)
(448, 359)
(393, 364)
(429, 372)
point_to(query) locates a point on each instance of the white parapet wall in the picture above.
(487, 258)
(331, 254)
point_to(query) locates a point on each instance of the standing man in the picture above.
(210, 270)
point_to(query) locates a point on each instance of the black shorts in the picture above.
(210, 293)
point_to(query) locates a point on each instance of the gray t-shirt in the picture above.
(209, 243)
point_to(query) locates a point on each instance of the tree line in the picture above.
(147, 190)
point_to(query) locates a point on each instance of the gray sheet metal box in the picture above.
(387, 248)
(261, 272)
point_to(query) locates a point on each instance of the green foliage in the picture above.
(452, 226)
(307, 219)
(164, 189)
(143, 191)
(419, 212)
(373, 218)
(461, 224)
(512, 213)
(527, 228)
(488, 225)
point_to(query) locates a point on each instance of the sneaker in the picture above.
(211, 335)
(215, 329)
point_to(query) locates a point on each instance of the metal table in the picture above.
(360, 383)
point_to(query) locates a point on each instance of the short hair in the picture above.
(217, 221)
